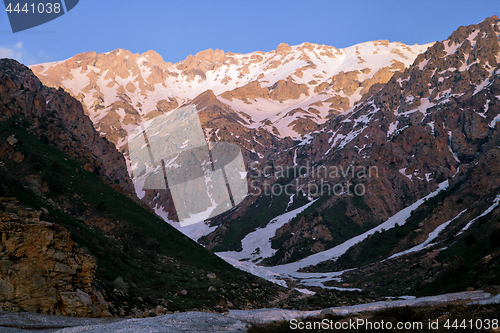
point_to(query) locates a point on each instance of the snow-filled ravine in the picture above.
(257, 246)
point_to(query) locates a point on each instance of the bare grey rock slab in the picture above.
(13, 322)
(191, 321)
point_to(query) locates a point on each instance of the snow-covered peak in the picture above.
(287, 91)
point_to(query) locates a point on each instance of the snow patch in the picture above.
(290, 270)
(427, 243)
(257, 244)
(403, 172)
(487, 211)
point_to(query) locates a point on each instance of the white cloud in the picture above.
(16, 52)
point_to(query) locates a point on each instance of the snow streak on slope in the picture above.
(278, 273)
(194, 231)
(427, 243)
(487, 211)
(257, 245)
(335, 252)
(261, 271)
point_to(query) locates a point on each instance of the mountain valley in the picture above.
(373, 173)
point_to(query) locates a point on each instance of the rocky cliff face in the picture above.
(430, 122)
(41, 269)
(58, 119)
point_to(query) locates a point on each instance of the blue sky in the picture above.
(177, 28)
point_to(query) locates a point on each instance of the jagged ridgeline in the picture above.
(72, 226)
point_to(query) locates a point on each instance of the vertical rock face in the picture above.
(59, 119)
(42, 270)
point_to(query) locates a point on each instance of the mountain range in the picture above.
(261, 101)
(370, 168)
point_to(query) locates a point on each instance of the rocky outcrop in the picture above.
(202, 62)
(42, 270)
(280, 91)
(59, 119)
(252, 90)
